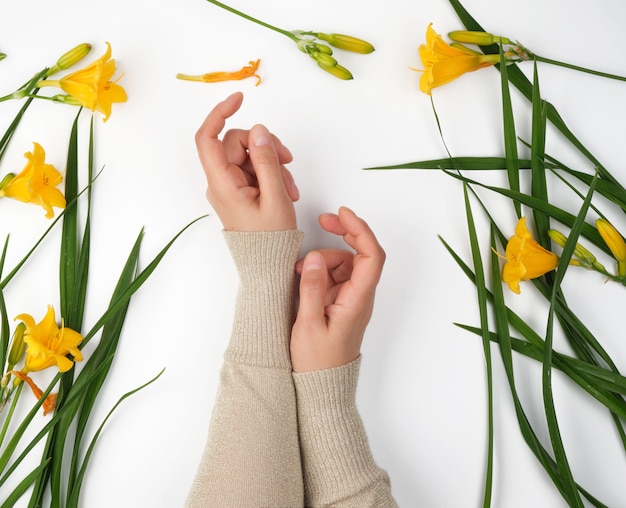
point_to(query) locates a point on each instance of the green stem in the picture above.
(578, 68)
(259, 22)
(5, 427)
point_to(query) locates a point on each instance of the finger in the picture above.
(210, 149)
(235, 143)
(370, 256)
(313, 283)
(267, 167)
(338, 263)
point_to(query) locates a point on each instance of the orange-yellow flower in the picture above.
(92, 85)
(48, 345)
(444, 63)
(247, 71)
(51, 400)
(36, 183)
(525, 258)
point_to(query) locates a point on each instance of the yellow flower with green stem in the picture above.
(47, 345)
(525, 258)
(444, 63)
(36, 183)
(92, 86)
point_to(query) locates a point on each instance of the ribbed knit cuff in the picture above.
(265, 300)
(336, 456)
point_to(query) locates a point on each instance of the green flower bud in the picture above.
(5, 181)
(586, 259)
(3, 56)
(70, 58)
(323, 60)
(322, 48)
(66, 99)
(347, 42)
(18, 346)
(478, 38)
(338, 71)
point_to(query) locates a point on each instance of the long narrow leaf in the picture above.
(23, 486)
(482, 310)
(75, 493)
(510, 138)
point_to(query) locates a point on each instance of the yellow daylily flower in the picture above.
(36, 183)
(92, 85)
(615, 242)
(51, 400)
(48, 345)
(525, 258)
(444, 63)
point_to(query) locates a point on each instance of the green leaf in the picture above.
(24, 485)
(539, 187)
(74, 495)
(510, 138)
(482, 308)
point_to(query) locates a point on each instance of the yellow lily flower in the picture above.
(36, 183)
(49, 345)
(92, 85)
(444, 63)
(525, 258)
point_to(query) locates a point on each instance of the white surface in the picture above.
(422, 390)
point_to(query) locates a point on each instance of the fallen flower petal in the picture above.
(247, 71)
(49, 403)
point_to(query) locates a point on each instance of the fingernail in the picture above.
(260, 136)
(313, 261)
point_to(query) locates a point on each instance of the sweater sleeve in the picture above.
(252, 456)
(337, 463)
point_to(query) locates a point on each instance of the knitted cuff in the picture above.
(265, 300)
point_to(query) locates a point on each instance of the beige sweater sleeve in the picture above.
(251, 458)
(337, 463)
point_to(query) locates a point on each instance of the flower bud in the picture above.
(18, 346)
(347, 42)
(338, 71)
(3, 56)
(322, 48)
(323, 60)
(586, 259)
(615, 243)
(66, 99)
(70, 58)
(6, 180)
(478, 38)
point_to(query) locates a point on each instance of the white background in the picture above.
(422, 391)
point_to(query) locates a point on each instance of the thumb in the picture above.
(313, 284)
(265, 161)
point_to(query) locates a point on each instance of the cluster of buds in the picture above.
(513, 51)
(308, 42)
(583, 257)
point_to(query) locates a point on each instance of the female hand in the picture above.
(336, 296)
(248, 184)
